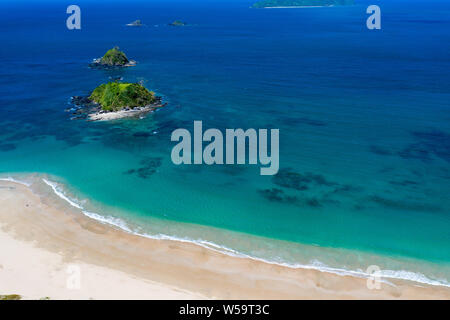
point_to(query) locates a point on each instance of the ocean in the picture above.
(363, 117)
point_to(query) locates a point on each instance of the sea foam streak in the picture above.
(314, 265)
(61, 194)
(16, 181)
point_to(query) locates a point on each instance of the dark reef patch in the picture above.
(436, 142)
(277, 195)
(428, 143)
(312, 190)
(4, 147)
(380, 151)
(427, 146)
(416, 151)
(148, 167)
(313, 202)
(142, 134)
(293, 180)
(404, 183)
(346, 189)
(416, 173)
(42, 129)
(123, 137)
(166, 127)
(305, 121)
(386, 169)
(234, 170)
(404, 205)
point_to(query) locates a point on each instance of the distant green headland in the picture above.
(177, 23)
(10, 297)
(301, 3)
(114, 58)
(136, 23)
(115, 96)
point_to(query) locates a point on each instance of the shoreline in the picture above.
(115, 115)
(85, 109)
(396, 274)
(196, 271)
(96, 63)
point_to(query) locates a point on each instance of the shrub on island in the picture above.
(114, 57)
(115, 96)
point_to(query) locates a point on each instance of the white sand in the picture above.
(35, 273)
(41, 238)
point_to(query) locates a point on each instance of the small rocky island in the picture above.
(136, 23)
(301, 3)
(115, 100)
(177, 23)
(113, 58)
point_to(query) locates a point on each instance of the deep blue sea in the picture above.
(364, 120)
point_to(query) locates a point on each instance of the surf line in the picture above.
(233, 152)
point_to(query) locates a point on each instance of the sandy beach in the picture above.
(51, 250)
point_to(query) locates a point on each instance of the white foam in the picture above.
(314, 265)
(60, 193)
(108, 220)
(10, 179)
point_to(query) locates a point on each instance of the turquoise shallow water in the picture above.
(363, 117)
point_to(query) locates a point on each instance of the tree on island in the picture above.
(115, 96)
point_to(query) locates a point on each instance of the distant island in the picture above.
(115, 100)
(113, 58)
(301, 3)
(177, 23)
(136, 23)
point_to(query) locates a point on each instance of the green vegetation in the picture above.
(177, 23)
(301, 3)
(115, 96)
(114, 57)
(10, 297)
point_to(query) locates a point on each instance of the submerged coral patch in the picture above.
(7, 147)
(148, 167)
(435, 142)
(277, 195)
(290, 179)
(304, 121)
(404, 204)
(380, 150)
(416, 151)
